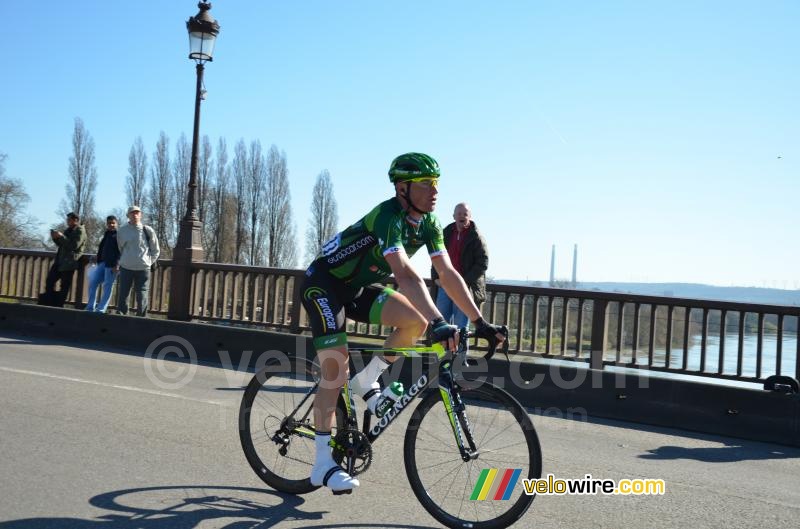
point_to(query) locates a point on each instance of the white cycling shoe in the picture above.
(334, 477)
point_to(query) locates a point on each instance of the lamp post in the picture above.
(203, 31)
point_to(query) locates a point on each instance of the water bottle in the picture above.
(382, 402)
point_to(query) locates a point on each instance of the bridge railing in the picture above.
(23, 275)
(715, 339)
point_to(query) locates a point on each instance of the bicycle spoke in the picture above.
(456, 469)
(459, 460)
(492, 450)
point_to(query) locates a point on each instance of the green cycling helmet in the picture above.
(413, 165)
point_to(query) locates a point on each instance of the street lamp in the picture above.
(203, 31)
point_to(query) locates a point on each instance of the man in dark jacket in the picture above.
(70, 250)
(106, 269)
(467, 250)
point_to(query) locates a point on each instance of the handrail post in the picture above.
(599, 333)
(80, 282)
(296, 304)
(187, 250)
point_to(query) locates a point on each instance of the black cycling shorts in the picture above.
(328, 302)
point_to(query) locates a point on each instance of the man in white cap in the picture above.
(139, 250)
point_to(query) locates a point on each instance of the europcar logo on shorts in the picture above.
(314, 292)
(494, 484)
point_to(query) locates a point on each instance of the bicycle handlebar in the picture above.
(466, 334)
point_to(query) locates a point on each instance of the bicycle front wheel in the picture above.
(276, 424)
(479, 493)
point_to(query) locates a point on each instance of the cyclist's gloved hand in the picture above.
(488, 331)
(441, 331)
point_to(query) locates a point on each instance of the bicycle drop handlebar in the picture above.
(465, 334)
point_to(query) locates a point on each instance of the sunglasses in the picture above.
(426, 181)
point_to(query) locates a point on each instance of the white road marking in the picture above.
(107, 385)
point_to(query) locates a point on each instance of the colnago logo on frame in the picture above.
(496, 484)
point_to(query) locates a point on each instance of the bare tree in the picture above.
(256, 188)
(17, 228)
(279, 226)
(160, 201)
(214, 224)
(203, 174)
(181, 166)
(228, 228)
(82, 181)
(324, 215)
(239, 170)
(137, 174)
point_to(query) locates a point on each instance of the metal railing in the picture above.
(716, 339)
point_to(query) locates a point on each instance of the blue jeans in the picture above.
(105, 275)
(450, 311)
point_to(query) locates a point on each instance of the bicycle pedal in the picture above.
(340, 492)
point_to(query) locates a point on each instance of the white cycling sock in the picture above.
(367, 378)
(325, 470)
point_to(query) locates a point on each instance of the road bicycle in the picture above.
(461, 433)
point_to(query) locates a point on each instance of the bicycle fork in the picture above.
(456, 412)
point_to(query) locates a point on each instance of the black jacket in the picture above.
(108, 251)
(474, 261)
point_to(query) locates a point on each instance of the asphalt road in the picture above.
(88, 440)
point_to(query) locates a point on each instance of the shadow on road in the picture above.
(190, 507)
(731, 453)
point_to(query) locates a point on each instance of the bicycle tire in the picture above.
(429, 437)
(269, 398)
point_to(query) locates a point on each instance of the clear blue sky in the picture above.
(647, 133)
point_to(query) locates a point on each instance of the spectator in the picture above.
(467, 250)
(138, 246)
(107, 268)
(70, 250)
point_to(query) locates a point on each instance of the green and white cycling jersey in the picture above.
(357, 255)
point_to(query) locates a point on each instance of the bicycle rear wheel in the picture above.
(446, 485)
(276, 424)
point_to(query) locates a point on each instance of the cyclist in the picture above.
(339, 285)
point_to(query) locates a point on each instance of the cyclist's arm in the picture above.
(454, 286)
(411, 285)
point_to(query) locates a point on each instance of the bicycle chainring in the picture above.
(352, 443)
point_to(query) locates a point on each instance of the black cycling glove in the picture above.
(488, 331)
(439, 330)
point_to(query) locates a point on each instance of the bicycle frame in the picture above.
(450, 396)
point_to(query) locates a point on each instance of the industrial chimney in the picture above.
(575, 266)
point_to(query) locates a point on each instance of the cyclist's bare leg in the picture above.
(334, 371)
(409, 323)
(334, 374)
